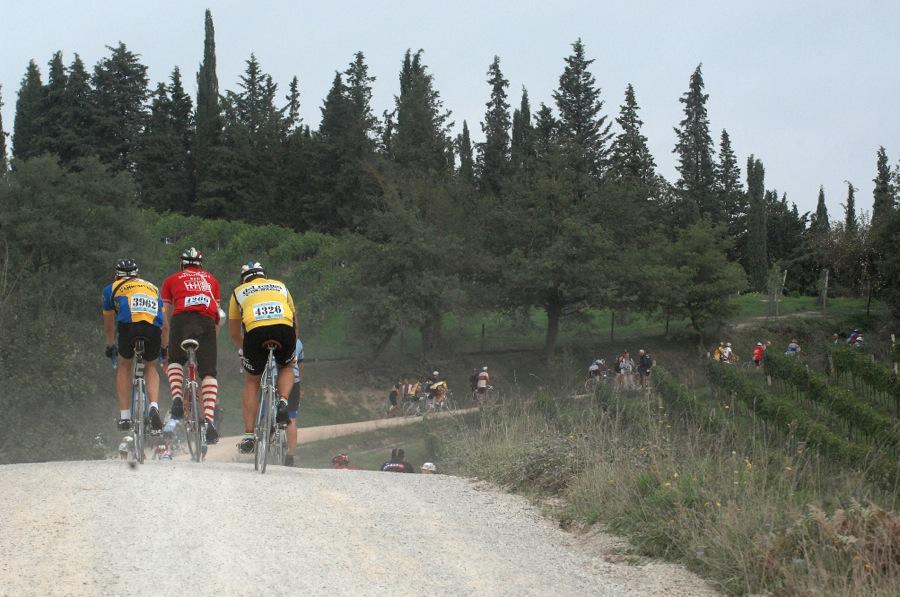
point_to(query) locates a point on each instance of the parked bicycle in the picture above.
(194, 422)
(271, 438)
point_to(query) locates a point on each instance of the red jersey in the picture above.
(758, 353)
(192, 289)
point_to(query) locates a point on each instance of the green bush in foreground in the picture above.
(732, 503)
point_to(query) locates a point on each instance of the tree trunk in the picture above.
(431, 333)
(612, 326)
(553, 312)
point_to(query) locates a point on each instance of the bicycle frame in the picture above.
(265, 415)
(138, 400)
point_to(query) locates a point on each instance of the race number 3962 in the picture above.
(265, 311)
(141, 303)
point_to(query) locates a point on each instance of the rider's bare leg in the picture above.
(285, 381)
(250, 400)
(123, 383)
(151, 374)
(292, 436)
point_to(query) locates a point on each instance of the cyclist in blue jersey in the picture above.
(132, 308)
(294, 405)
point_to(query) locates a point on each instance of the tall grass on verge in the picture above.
(680, 475)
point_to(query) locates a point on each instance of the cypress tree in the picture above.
(730, 193)
(120, 92)
(420, 139)
(293, 106)
(493, 154)
(359, 95)
(208, 150)
(884, 196)
(820, 221)
(694, 149)
(851, 225)
(466, 162)
(631, 158)
(522, 143)
(581, 127)
(4, 161)
(27, 125)
(545, 131)
(756, 261)
(54, 107)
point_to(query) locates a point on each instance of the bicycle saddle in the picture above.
(189, 344)
(272, 345)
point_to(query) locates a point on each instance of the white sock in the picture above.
(124, 414)
(154, 405)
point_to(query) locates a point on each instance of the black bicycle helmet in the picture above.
(191, 257)
(126, 267)
(250, 270)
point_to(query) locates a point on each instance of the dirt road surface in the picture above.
(176, 528)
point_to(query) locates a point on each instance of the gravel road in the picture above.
(220, 529)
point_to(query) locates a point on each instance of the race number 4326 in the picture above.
(265, 311)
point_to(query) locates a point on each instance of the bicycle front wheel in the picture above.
(263, 429)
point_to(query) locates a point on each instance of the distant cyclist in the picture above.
(484, 381)
(132, 309)
(262, 309)
(644, 366)
(191, 301)
(293, 404)
(793, 349)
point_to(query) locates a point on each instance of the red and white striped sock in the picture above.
(209, 389)
(175, 373)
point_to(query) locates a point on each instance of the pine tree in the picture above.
(208, 149)
(545, 131)
(293, 106)
(120, 92)
(466, 162)
(581, 127)
(885, 194)
(522, 143)
(78, 115)
(493, 154)
(4, 160)
(359, 94)
(26, 128)
(851, 226)
(695, 149)
(756, 261)
(420, 139)
(53, 107)
(631, 158)
(819, 222)
(730, 192)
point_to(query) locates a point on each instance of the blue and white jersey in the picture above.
(298, 351)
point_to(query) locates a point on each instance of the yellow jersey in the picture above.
(261, 302)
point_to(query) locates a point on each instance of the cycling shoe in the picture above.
(282, 415)
(212, 436)
(155, 421)
(124, 424)
(246, 445)
(289, 460)
(177, 409)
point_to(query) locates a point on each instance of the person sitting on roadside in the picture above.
(429, 469)
(397, 464)
(793, 348)
(341, 462)
(758, 351)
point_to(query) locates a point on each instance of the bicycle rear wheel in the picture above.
(138, 407)
(279, 446)
(194, 430)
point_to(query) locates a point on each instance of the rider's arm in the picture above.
(167, 317)
(109, 327)
(234, 331)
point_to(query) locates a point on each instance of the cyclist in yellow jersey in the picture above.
(261, 309)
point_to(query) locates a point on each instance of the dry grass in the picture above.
(749, 510)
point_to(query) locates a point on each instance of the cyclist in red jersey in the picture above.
(191, 304)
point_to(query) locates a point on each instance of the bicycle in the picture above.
(413, 405)
(267, 433)
(138, 400)
(194, 423)
(483, 398)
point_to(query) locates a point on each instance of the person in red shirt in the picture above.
(758, 351)
(191, 304)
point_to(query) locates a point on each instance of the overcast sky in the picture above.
(810, 87)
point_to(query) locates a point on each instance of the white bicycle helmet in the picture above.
(191, 257)
(251, 269)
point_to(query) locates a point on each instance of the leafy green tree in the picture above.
(851, 225)
(584, 132)
(730, 193)
(120, 92)
(4, 163)
(522, 142)
(420, 138)
(756, 260)
(77, 117)
(27, 126)
(819, 222)
(494, 153)
(695, 155)
(884, 194)
(785, 228)
(164, 169)
(631, 158)
(697, 278)
(208, 153)
(466, 161)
